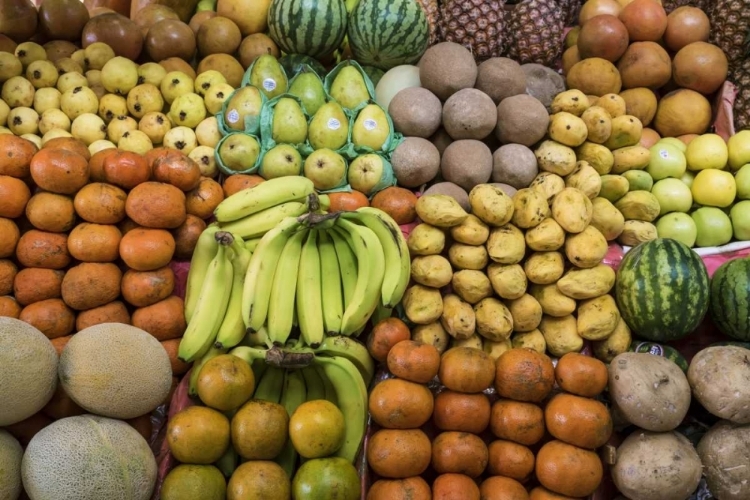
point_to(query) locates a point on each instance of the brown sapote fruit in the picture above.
(645, 64)
(59, 49)
(177, 64)
(199, 18)
(117, 31)
(594, 8)
(645, 20)
(700, 66)
(7, 44)
(226, 65)
(218, 35)
(121, 7)
(603, 36)
(256, 45)
(686, 25)
(18, 19)
(152, 14)
(170, 38)
(63, 19)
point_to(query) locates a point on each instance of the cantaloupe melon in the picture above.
(28, 371)
(115, 370)
(88, 458)
(11, 454)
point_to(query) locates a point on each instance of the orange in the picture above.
(147, 249)
(415, 361)
(456, 411)
(568, 470)
(51, 212)
(126, 169)
(454, 486)
(225, 382)
(459, 452)
(399, 453)
(114, 312)
(260, 429)
(198, 435)
(9, 307)
(100, 203)
(33, 284)
(259, 479)
(181, 171)
(237, 182)
(179, 367)
(510, 459)
(502, 488)
(582, 422)
(52, 317)
(542, 493)
(400, 404)
(94, 242)
(165, 319)
(397, 202)
(69, 143)
(9, 236)
(581, 375)
(202, 200)
(466, 369)
(8, 273)
(517, 421)
(384, 335)
(17, 155)
(524, 375)
(59, 170)
(96, 164)
(14, 194)
(341, 202)
(410, 488)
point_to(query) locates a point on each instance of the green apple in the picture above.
(688, 178)
(739, 149)
(678, 226)
(667, 160)
(714, 227)
(707, 151)
(326, 168)
(280, 161)
(673, 196)
(740, 215)
(674, 141)
(239, 152)
(742, 179)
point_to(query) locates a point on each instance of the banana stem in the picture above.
(315, 220)
(282, 358)
(313, 203)
(224, 238)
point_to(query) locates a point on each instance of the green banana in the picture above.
(328, 389)
(211, 307)
(271, 385)
(397, 259)
(257, 339)
(324, 202)
(351, 349)
(371, 262)
(330, 284)
(381, 312)
(232, 329)
(259, 223)
(195, 372)
(252, 244)
(295, 393)
(309, 301)
(253, 356)
(348, 267)
(283, 290)
(228, 462)
(261, 196)
(260, 273)
(205, 249)
(351, 393)
(314, 383)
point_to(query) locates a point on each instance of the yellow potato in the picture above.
(598, 317)
(529, 340)
(561, 335)
(544, 268)
(588, 283)
(546, 237)
(422, 304)
(553, 302)
(526, 312)
(506, 244)
(508, 280)
(587, 248)
(494, 321)
(471, 231)
(458, 317)
(471, 285)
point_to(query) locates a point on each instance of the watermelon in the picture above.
(293, 64)
(730, 299)
(313, 28)
(388, 33)
(664, 351)
(662, 290)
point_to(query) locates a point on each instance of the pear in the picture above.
(268, 75)
(365, 173)
(349, 88)
(308, 87)
(371, 128)
(245, 102)
(289, 123)
(239, 152)
(329, 128)
(280, 161)
(325, 168)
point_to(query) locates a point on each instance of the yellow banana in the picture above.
(351, 393)
(351, 349)
(328, 389)
(252, 244)
(309, 300)
(371, 262)
(314, 383)
(330, 281)
(259, 223)
(211, 307)
(257, 339)
(295, 393)
(232, 329)
(204, 252)
(261, 196)
(283, 290)
(195, 371)
(348, 266)
(260, 273)
(397, 260)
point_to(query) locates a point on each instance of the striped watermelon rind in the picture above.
(388, 33)
(662, 290)
(730, 299)
(295, 63)
(664, 351)
(313, 28)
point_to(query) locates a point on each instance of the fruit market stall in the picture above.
(355, 249)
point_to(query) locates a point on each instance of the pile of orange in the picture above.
(534, 438)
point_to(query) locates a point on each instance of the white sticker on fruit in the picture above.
(233, 116)
(663, 153)
(370, 124)
(334, 124)
(269, 84)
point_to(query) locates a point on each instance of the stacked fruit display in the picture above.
(498, 443)
(501, 295)
(93, 238)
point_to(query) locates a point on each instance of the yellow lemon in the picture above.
(739, 149)
(185, 481)
(706, 151)
(714, 188)
(316, 429)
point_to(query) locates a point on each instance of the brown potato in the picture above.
(114, 312)
(587, 248)
(506, 244)
(43, 249)
(9, 308)
(526, 312)
(52, 317)
(51, 212)
(164, 320)
(186, 236)
(156, 205)
(544, 268)
(202, 200)
(143, 288)
(100, 203)
(508, 280)
(90, 285)
(147, 249)
(89, 242)
(36, 284)
(8, 273)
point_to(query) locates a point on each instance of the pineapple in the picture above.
(670, 5)
(432, 11)
(730, 23)
(741, 78)
(535, 31)
(571, 9)
(475, 24)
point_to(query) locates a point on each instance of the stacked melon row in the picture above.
(520, 271)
